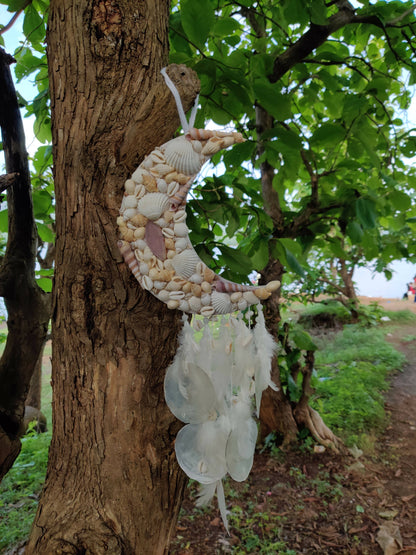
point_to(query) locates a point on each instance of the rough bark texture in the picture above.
(113, 485)
(27, 307)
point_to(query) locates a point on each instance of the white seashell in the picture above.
(242, 304)
(195, 304)
(167, 264)
(161, 222)
(172, 304)
(236, 296)
(168, 232)
(184, 263)
(200, 267)
(176, 295)
(137, 176)
(130, 201)
(209, 149)
(205, 299)
(221, 302)
(184, 306)
(161, 169)
(207, 311)
(163, 295)
(140, 244)
(250, 297)
(206, 287)
(157, 156)
(197, 146)
(147, 163)
(147, 283)
(162, 186)
(144, 268)
(140, 191)
(175, 284)
(130, 186)
(129, 213)
(148, 255)
(139, 232)
(181, 229)
(180, 154)
(153, 205)
(173, 188)
(180, 216)
(196, 278)
(159, 264)
(181, 244)
(130, 225)
(159, 285)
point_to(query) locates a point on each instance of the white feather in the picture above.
(265, 347)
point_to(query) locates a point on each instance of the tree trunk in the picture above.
(112, 484)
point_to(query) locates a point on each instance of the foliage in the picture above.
(21, 487)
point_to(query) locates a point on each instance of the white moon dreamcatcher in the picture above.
(211, 383)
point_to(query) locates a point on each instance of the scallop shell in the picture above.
(184, 263)
(221, 302)
(153, 205)
(181, 229)
(181, 156)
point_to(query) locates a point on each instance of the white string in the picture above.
(185, 125)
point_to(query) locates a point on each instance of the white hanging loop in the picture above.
(186, 126)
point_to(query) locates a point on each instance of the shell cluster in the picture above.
(154, 233)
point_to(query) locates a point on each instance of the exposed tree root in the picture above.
(312, 420)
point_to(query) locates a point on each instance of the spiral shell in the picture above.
(184, 263)
(181, 156)
(153, 205)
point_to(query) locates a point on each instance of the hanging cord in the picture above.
(186, 126)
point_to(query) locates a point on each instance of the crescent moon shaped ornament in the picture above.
(154, 235)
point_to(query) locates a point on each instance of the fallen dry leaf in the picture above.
(389, 538)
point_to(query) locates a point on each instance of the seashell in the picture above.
(168, 216)
(195, 304)
(197, 146)
(157, 156)
(272, 286)
(187, 287)
(127, 234)
(170, 245)
(147, 163)
(159, 265)
(196, 290)
(137, 176)
(170, 253)
(181, 156)
(147, 283)
(205, 299)
(120, 221)
(176, 295)
(196, 278)
(150, 183)
(175, 284)
(139, 232)
(221, 302)
(163, 295)
(154, 273)
(207, 311)
(168, 232)
(144, 268)
(242, 304)
(140, 191)
(140, 244)
(184, 263)
(172, 304)
(129, 213)
(130, 186)
(181, 229)
(153, 205)
(161, 169)
(184, 305)
(148, 256)
(130, 225)
(129, 201)
(161, 222)
(173, 188)
(181, 244)
(206, 287)
(162, 186)
(209, 275)
(262, 293)
(159, 285)
(139, 220)
(179, 216)
(250, 297)
(167, 264)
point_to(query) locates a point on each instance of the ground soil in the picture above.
(323, 503)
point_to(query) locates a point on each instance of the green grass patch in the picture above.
(20, 489)
(352, 374)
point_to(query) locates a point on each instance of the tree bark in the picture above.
(27, 306)
(113, 484)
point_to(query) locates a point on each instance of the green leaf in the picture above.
(354, 231)
(270, 98)
(4, 221)
(45, 233)
(33, 26)
(366, 213)
(45, 283)
(303, 340)
(328, 134)
(197, 18)
(400, 200)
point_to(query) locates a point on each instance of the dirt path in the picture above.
(322, 504)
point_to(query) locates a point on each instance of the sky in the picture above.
(368, 284)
